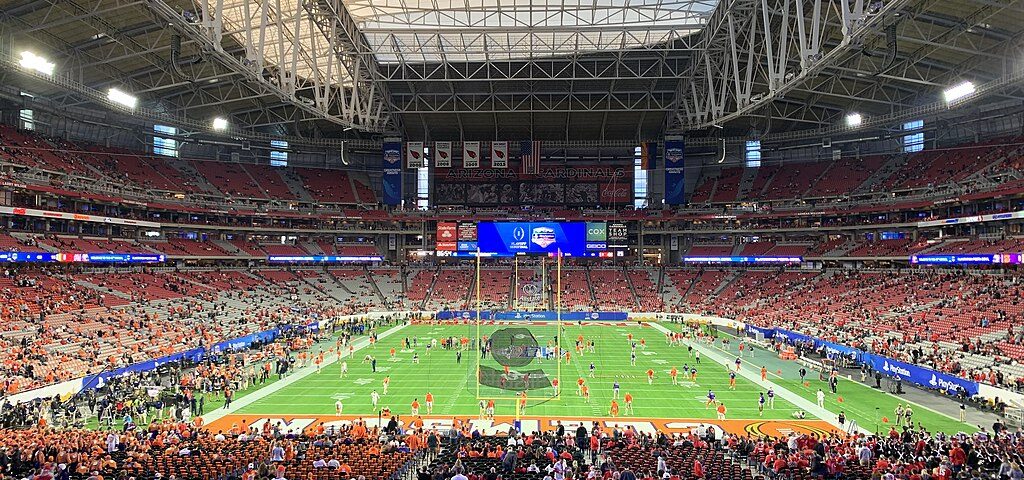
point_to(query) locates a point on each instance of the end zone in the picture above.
(502, 424)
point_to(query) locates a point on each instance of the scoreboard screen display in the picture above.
(539, 238)
(467, 237)
(618, 235)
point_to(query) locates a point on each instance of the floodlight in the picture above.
(854, 120)
(957, 92)
(36, 63)
(121, 98)
(220, 124)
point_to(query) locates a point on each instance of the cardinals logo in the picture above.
(414, 154)
(442, 154)
(499, 154)
(472, 154)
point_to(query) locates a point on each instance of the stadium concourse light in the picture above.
(121, 98)
(854, 120)
(958, 91)
(36, 63)
(220, 124)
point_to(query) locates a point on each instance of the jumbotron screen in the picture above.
(502, 239)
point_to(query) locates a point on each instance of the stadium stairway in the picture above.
(746, 183)
(294, 184)
(374, 286)
(891, 166)
(312, 248)
(632, 288)
(590, 285)
(188, 170)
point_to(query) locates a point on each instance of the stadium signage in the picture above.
(32, 212)
(922, 376)
(546, 173)
(982, 259)
(48, 257)
(323, 258)
(702, 259)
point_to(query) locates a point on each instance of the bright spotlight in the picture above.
(854, 120)
(957, 92)
(36, 63)
(121, 98)
(220, 124)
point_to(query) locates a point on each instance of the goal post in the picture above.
(518, 353)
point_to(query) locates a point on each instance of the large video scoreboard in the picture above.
(505, 239)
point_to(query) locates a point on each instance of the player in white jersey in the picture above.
(374, 398)
(338, 407)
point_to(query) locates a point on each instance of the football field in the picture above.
(311, 397)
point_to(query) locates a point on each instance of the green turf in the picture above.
(866, 405)
(455, 389)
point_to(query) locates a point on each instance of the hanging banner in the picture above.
(443, 154)
(675, 162)
(392, 242)
(471, 154)
(499, 154)
(649, 155)
(414, 154)
(392, 173)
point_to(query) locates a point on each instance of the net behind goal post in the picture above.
(519, 355)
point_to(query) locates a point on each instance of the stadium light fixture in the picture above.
(854, 120)
(121, 98)
(220, 124)
(958, 91)
(31, 61)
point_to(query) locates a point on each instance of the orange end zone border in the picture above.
(501, 424)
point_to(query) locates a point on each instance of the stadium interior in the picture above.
(616, 239)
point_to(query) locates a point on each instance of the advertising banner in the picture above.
(446, 236)
(391, 178)
(675, 176)
(924, 377)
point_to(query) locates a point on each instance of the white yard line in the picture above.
(295, 376)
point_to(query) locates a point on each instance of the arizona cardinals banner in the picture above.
(471, 154)
(443, 154)
(414, 154)
(499, 154)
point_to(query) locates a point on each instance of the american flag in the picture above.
(531, 157)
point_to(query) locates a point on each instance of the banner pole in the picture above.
(558, 321)
(479, 346)
(515, 283)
